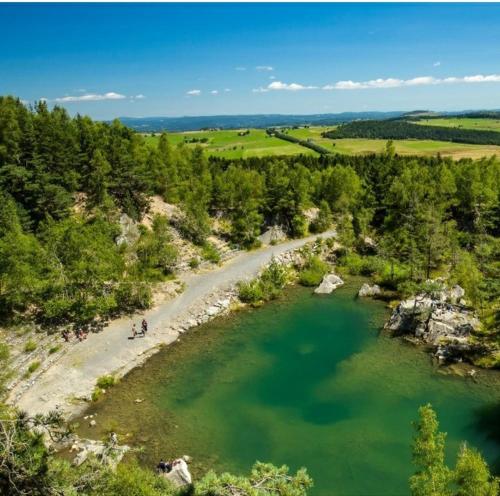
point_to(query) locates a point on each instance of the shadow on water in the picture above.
(487, 421)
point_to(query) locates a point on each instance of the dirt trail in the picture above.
(111, 352)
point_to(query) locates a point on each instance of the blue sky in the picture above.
(109, 60)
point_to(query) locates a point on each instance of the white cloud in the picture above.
(214, 92)
(264, 68)
(227, 90)
(436, 64)
(193, 92)
(140, 96)
(90, 97)
(272, 77)
(417, 81)
(240, 68)
(279, 86)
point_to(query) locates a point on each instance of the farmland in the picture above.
(463, 122)
(229, 144)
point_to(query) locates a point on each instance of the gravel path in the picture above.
(111, 352)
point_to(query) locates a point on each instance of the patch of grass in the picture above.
(194, 263)
(54, 349)
(211, 253)
(32, 368)
(30, 346)
(96, 394)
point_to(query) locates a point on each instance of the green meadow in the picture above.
(465, 123)
(230, 144)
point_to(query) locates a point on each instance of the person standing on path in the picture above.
(134, 331)
(144, 327)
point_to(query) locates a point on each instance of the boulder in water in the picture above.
(329, 283)
(367, 290)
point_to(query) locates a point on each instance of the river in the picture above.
(303, 381)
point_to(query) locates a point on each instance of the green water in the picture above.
(307, 381)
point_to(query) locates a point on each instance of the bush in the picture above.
(30, 346)
(194, 263)
(250, 292)
(132, 295)
(313, 271)
(211, 253)
(267, 286)
(106, 381)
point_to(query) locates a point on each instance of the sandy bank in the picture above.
(72, 378)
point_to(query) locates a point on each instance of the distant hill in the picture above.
(157, 124)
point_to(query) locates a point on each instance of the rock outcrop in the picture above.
(179, 475)
(129, 232)
(329, 283)
(107, 453)
(438, 320)
(367, 290)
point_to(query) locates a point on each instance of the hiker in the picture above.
(134, 331)
(164, 467)
(113, 439)
(144, 327)
(65, 335)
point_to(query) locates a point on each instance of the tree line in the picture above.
(395, 129)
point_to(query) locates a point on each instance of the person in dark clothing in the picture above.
(144, 327)
(164, 467)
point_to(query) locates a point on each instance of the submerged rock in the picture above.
(367, 290)
(329, 283)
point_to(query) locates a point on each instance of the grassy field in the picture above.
(228, 144)
(465, 123)
(403, 147)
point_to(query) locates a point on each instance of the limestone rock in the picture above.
(129, 232)
(179, 475)
(367, 290)
(435, 320)
(329, 283)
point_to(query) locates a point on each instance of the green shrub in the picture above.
(313, 271)
(96, 394)
(106, 381)
(194, 263)
(30, 346)
(250, 292)
(211, 253)
(54, 349)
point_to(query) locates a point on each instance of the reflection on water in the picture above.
(307, 382)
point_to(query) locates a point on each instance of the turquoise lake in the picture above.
(304, 381)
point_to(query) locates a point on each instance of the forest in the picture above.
(395, 129)
(59, 261)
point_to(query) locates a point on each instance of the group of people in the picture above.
(79, 333)
(144, 329)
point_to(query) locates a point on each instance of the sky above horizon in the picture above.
(110, 60)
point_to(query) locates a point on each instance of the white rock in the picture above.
(179, 475)
(367, 290)
(329, 283)
(92, 423)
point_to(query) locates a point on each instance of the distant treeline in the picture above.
(398, 129)
(485, 114)
(292, 139)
